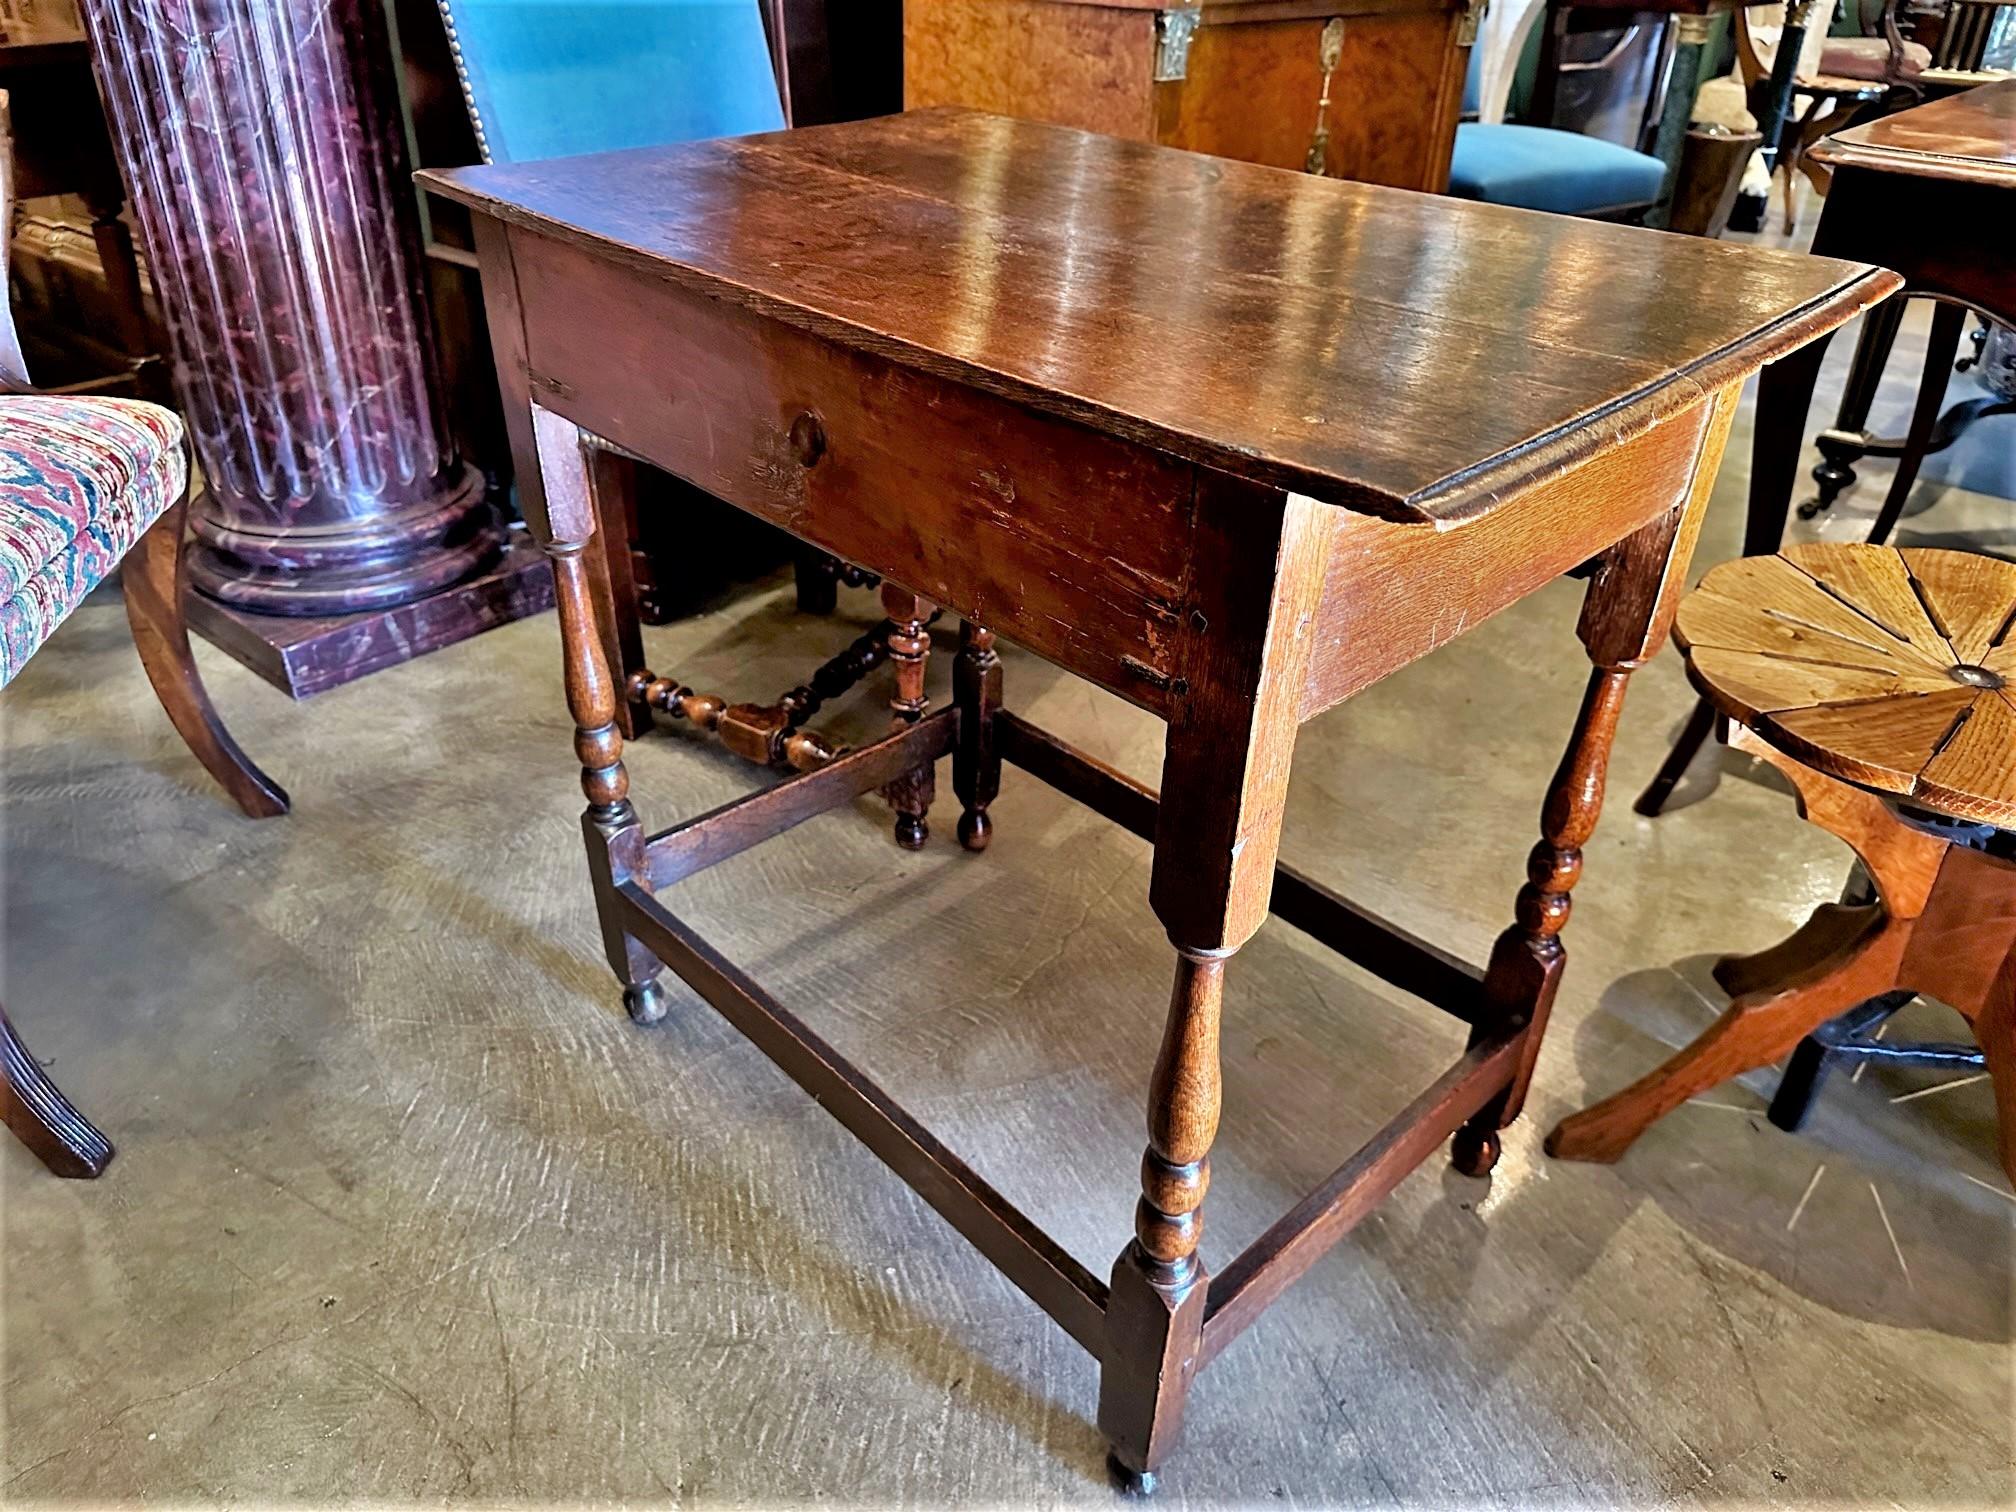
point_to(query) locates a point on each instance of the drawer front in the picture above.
(1087, 66)
(1251, 91)
(1067, 542)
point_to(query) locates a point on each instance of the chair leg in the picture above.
(1754, 1031)
(42, 1118)
(1941, 347)
(152, 574)
(1995, 1031)
(1679, 761)
(1836, 470)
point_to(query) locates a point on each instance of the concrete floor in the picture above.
(407, 1212)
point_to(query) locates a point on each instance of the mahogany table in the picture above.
(1228, 441)
(1930, 192)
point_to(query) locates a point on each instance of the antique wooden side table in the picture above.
(1228, 441)
(1930, 192)
(1882, 683)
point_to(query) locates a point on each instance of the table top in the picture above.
(1404, 354)
(1969, 137)
(1892, 669)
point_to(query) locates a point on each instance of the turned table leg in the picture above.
(1626, 615)
(976, 763)
(909, 649)
(1225, 769)
(568, 461)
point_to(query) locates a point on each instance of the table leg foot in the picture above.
(1475, 1151)
(646, 1002)
(1155, 1309)
(1130, 1482)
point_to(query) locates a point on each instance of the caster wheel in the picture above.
(912, 831)
(975, 830)
(647, 1004)
(1130, 1481)
(1474, 1152)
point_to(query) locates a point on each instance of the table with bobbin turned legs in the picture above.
(1231, 443)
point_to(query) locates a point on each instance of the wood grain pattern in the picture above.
(1070, 543)
(1074, 65)
(1970, 137)
(1880, 696)
(1319, 336)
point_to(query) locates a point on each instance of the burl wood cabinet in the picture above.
(1358, 89)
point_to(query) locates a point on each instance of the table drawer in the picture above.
(1070, 543)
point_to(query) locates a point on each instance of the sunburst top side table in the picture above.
(1882, 683)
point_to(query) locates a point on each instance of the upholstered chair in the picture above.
(89, 484)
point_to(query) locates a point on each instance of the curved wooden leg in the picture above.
(1686, 750)
(1836, 470)
(1754, 1031)
(1831, 929)
(1941, 347)
(152, 575)
(44, 1119)
(1995, 1032)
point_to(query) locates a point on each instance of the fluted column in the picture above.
(266, 164)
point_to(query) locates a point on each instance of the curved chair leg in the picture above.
(1679, 761)
(42, 1118)
(153, 577)
(1995, 1032)
(1754, 1031)
(1836, 470)
(1941, 347)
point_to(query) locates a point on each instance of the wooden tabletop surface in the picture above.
(1404, 354)
(1970, 136)
(1892, 669)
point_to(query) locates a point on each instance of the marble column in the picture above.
(266, 159)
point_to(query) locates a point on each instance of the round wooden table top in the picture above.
(1892, 669)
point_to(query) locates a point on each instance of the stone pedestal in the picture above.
(265, 155)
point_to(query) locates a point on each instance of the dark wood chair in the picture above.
(88, 484)
(1857, 77)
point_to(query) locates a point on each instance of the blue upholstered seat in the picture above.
(1537, 168)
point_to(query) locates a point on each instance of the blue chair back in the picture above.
(1473, 80)
(552, 78)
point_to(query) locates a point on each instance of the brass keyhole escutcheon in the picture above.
(1329, 51)
(808, 438)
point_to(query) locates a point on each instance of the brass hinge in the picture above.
(1173, 30)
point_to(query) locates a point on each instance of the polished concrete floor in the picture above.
(407, 1212)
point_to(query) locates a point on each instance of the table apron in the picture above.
(1073, 544)
(1393, 593)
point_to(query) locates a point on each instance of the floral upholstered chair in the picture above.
(84, 484)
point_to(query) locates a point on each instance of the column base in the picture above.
(304, 655)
